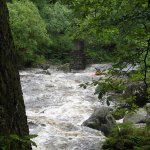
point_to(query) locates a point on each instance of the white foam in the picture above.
(57, 106)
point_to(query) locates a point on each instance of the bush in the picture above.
(29, 32)
(119, 113)
(126, 137)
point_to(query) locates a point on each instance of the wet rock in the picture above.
(64, 67)
(140, 125)
(32, 125)
(148, 108)
(43, 125)
(137, 89)
(148, 113)
(46, 72)
(101, 120)
(45, 66)
(136, 117)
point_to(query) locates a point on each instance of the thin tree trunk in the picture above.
(13, 119)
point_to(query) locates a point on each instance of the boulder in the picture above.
(136, 117)
(137, 89)
(101, 120)
(148, 108)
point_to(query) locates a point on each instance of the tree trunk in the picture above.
(13, 120)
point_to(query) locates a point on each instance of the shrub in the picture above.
(126, 137)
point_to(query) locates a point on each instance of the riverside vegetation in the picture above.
(116, 31)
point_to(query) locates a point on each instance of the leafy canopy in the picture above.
(29, 30)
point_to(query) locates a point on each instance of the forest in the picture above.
(73, 35)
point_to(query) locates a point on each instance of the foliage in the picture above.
(125, 136)
(109, 85)
(5, 140)
(29, 31)
(119, 113)
(125, 23)
(58, 19)
(125, 89)
(99, 23)
(88, 27)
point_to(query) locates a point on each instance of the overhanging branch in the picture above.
(145, 65)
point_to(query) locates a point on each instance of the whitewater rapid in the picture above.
(56, 106)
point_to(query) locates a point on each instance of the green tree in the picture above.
(29, 32)
(125, 23)
(99, 39)
(58, 19)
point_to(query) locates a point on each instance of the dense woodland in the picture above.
(45, 30)
(114, 31)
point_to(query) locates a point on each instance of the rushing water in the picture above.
(56, 107)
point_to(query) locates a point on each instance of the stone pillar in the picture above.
(78, 57)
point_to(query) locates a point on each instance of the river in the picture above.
(56, 106)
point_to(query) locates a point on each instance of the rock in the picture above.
(45, 66)
(148, 108)
(32, 125)
(46, 72)
(136, 117)
(101, 120)
(64, 67)
(148, 113)
(137, 89)
(140, 125)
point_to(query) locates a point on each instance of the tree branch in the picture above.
(145, 66)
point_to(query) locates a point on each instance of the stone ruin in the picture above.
(78, 57)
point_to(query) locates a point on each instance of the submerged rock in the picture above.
(32, 125)
(101, 120)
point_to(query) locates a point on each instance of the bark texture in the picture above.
(13, 118)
